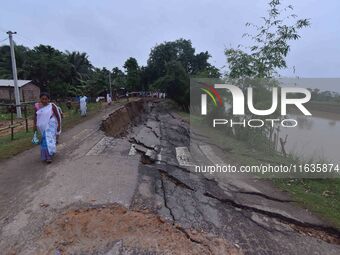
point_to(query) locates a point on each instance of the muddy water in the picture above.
(316, 137)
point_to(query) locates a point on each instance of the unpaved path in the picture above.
(99, 198)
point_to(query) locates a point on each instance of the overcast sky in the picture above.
(112, 31)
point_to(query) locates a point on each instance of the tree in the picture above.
(46, 64)
(98, 83)
(118, 78)
(132, 74)
(180, 50)
(175, 83)
(261, 62)
(6, 63)
(170, 65)
(271, 44)
(80, 66)
(208, 72)
(145, 77)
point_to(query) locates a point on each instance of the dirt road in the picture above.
(128, 188)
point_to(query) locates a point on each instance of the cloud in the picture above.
(112, 31)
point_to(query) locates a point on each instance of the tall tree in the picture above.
(271, 43)
(6, 64)
(47, 64)
(132, 74)
(261, 61)
(175, 83)
(80, 66)
(118, 78)
(170, 65)
(97, 84)
(180, 50)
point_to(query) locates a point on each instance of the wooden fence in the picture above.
(11, 109)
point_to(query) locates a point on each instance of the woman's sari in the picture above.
(47, 125)
(83, 106)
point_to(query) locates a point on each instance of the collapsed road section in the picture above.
(129, 188)
(117, 122)
(250, 213)
(235, 209)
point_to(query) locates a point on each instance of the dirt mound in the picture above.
(87, 231)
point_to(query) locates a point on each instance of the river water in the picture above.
(316, 137)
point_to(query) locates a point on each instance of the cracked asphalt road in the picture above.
(148, 170)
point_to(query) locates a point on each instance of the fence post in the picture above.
(12, 128)
(26, 120)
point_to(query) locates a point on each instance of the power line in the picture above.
(28, 39)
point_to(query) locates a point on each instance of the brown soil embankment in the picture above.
(117, 123)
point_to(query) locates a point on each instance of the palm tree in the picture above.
(81, 67)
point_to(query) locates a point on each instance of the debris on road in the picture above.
(88, 230)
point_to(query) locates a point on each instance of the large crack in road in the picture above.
(197, 201)
(131, 189)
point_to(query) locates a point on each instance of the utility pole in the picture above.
(110, 85)
(15, 76)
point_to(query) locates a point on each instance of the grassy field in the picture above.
(10, 148)
(22, 140)
(321, 196)
(5, 116)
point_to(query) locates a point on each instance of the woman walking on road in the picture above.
(83, 105)
(47, 120)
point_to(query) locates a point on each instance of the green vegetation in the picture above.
(5, 116)
(321, 196)
(22, 140)
(257, 64)
(132, 74)
(168, 69)
(241, 151)
(69, 74)
(271, 43)
(326, 97)
(170, 65)
(9, 148)
(72, 117)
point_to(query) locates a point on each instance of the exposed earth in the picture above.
(123, 183)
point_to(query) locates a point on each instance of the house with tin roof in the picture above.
(27, 89)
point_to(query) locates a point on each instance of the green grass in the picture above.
(72, 117)
(22, 140)
(184, 115)
(240, 150)
(5, 116)
(321, 196)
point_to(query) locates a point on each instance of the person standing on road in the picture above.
(108, 99)
(83, 105)
(47, 120)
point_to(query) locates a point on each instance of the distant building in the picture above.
(28, 91)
